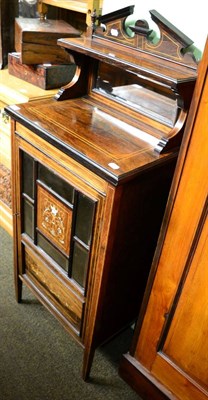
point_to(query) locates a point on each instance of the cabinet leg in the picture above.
(87, 363)
(18, 289)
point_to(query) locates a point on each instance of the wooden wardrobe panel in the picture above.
(169, 354)
(188, 347)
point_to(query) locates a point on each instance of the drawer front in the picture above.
(55, 289)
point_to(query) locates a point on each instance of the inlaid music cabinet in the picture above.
(91, 174)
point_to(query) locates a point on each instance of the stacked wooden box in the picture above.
(38, 59)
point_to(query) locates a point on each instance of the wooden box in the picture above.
(36, 40)
(45, 76)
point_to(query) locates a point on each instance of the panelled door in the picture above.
(173, 339)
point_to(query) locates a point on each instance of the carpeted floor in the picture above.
(39, 360)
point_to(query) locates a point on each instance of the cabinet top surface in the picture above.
(106, 145)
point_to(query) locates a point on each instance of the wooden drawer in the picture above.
(53, 287)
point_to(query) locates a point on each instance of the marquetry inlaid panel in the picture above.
(54, 219)
(70, 304)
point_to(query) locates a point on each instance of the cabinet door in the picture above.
(173, 341)
(55, 235)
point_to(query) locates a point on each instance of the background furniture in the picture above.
(76, 12)
(169, 355)
(12, 91)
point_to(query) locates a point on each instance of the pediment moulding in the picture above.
(172, 45)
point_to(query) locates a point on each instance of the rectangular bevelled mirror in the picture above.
(126, 87)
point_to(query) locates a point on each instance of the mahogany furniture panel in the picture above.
(92, 170)
(169, 355)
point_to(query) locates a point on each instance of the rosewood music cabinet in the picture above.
(91, 175)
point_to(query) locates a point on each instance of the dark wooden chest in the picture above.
(45, 76)
(36, 40)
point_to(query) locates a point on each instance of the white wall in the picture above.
(189, 17)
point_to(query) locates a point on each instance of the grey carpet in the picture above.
(38, 358)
